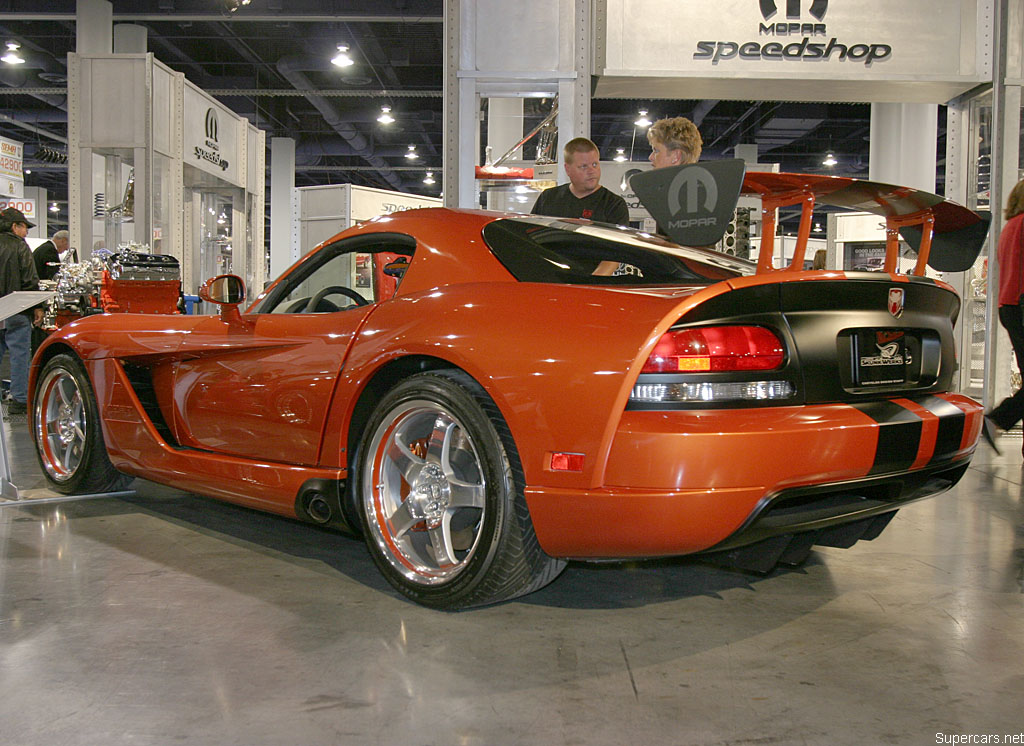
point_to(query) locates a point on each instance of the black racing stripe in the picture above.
(952, 421)
(899, 436)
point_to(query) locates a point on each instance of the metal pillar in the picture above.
(283, 246)
(532, 48)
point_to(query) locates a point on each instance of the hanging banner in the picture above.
(211, 136)
(12, 168)
(27, 206)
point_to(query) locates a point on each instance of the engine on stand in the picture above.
(128, 280)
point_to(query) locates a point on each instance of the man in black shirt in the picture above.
(583, 196)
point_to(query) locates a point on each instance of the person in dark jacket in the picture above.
(17, 272)
(47, 255)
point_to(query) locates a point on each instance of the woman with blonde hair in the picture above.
(674, 142)
(1010, 258)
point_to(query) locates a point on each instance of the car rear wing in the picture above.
(946, 236)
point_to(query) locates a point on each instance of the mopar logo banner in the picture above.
(693, 204)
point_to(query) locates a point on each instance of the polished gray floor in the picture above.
(166, 618)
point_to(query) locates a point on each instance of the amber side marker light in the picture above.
(714, 349)
(567, 461)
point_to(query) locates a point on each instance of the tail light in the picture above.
(716, 349)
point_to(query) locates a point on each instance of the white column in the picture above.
(504, 126)
(130, 38)
(283, 250)
(94, 27)
(904, 139)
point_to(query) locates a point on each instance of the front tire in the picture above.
(441, 496)
(66, 427)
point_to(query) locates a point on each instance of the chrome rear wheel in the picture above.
(440, 496)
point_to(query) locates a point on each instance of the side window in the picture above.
(337, 279)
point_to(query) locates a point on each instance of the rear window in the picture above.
(569, 252)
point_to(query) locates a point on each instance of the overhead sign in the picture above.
(803, 22)
(809, 38)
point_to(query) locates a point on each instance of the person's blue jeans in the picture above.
(17, 338)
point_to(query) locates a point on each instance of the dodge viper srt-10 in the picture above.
(483, 396)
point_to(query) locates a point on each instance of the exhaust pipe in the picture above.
(319, 509)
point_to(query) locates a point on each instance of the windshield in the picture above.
(536, 249)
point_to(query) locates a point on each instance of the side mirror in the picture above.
(223, 290)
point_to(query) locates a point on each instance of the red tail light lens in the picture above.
(716, 349)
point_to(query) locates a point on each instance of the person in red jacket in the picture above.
(1010, 256)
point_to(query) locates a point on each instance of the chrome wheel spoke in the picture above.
(441, 541)
(402, 457)
(402, 520)
(466, 494)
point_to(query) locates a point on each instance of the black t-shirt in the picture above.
(602, 205)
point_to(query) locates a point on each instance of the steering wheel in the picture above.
(334, 290)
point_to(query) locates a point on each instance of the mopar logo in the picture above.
(770, 8)
(691, 181)
(211, 124)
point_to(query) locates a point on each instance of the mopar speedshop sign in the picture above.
(794, 30)
(803, 39)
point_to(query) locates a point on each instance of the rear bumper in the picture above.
(685, 482)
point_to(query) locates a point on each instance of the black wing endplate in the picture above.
(955, 250)
(692, 204)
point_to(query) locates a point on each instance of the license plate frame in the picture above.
(881, 357)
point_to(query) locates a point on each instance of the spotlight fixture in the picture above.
(412, 153)
(385, 115)
(12, 57)
(830, 160)
(620, 155)
(342, 58)
(429, 178)
(643, 121)
(51, 155)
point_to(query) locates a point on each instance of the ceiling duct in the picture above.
(291, 69)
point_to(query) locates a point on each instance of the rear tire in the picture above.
(66, 428)
(440, 492)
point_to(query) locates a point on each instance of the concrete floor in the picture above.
(168, 618)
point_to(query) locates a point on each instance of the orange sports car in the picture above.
(484, 396)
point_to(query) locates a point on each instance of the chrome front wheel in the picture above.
(66, 426)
